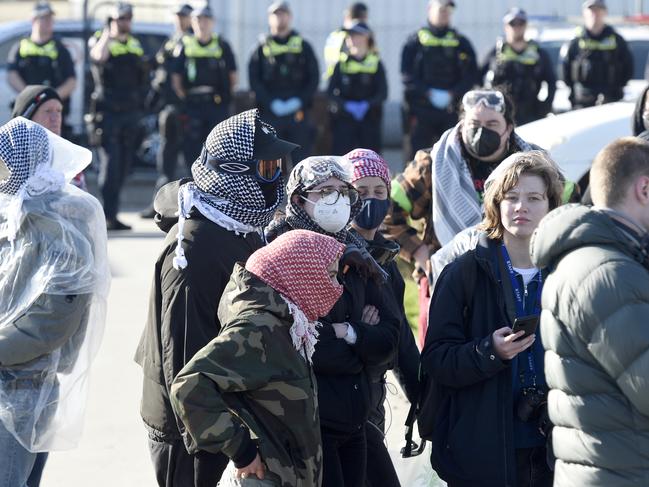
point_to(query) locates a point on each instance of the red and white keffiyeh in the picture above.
(295, 265)
(368, 163)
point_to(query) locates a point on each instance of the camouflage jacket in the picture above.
(250, 382)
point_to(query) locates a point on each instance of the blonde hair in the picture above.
(534, 163)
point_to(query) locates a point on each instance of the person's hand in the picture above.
(370, 315)
(506, 345)
(361, 260)
(256, 468)
(340, 329)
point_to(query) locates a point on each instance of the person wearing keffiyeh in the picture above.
(362, 329)
(212, 221)
(256, 378)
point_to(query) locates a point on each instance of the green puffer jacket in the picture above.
(250, 381)
(595, 328)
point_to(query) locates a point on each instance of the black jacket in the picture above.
(182, 315)
(473, 434)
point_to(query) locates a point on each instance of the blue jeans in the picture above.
(16, 462)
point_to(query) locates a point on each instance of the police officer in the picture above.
(203, 78)
(357, 90)
(42, 60)
(438, 65)
(283, 73)
(335, 43)
(120, 76)
(521, 66)
(597, 63)
(163, 95)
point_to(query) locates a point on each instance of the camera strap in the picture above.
(519, 295)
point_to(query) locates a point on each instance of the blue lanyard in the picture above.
(519, 297)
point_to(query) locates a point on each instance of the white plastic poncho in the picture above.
(54, 281)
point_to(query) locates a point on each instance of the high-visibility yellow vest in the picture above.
(428, 39)
(30, 48)
(272, 48)
(194, 49)
(369, 65)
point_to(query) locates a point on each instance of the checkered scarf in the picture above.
(295, 265)
(367, 163)
(306, 175)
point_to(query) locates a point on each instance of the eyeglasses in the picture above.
(330, 196)
(266, 170)
(490, 99)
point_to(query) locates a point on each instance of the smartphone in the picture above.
(526, 323)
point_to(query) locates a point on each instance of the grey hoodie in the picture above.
(595, 329)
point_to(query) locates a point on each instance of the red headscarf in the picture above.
(368, 163)
(295, 265)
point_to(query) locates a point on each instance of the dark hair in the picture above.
(614, 169)
(357, 10)
(637, 125)
(510, 108)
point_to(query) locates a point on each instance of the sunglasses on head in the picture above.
(265, 170)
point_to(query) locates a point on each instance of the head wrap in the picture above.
(308, 174)
(237, 203)
(367, 163)
(295, 265)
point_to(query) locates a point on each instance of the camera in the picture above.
(530, 404)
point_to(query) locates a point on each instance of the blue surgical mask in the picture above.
(373, 213)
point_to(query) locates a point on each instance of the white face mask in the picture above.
(334, 217)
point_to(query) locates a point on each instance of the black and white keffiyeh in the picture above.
(234, 202)
(309, 173)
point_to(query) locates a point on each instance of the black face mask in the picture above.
(373, 213)
(483, 142)
(269, 190)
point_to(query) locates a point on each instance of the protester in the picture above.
(597, 63)
(268, 314)
(362, 329)
(211, 223)
(438, 66)
(445, 185)
(371, 179)
(357, 89)
(490, 390)
(43, 105)
(594, 324)
(54, 281)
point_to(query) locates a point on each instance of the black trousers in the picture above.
(380, 470)
(201, 118)
(174, 467)
(427, 127)
(344, 457)
(118, 145)
(169, 127)
(532, 468)
(348, 134)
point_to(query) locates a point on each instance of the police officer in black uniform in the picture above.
(438, 65)
(283, 73)
(163, 99)
(120, 75)
(40, 59)
(357, 90)
(521, 66)
(203, 78)
(597, 63)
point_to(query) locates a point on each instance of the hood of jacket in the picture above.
(246, 294)
(573, 226)
(165, 204)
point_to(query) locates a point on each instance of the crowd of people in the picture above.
(277, 306)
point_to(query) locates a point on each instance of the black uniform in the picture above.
(205, 70)
(280, 69)
(357, 80)
(522, 73)
(47, 64)
(120, 84)
(596, 68)
(438, 58)
(169, 124)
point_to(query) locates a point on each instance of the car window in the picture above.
(5, 47)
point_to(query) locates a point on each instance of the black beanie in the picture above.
(31, 98)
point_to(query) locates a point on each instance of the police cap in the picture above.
(183, 10)
(204, 11)
(121, 10)
(42, 9)
(278, 6)
(515, 14)
(443, 3)
(359, 28)
(594, 4)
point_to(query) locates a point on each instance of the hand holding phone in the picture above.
(528, 324)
